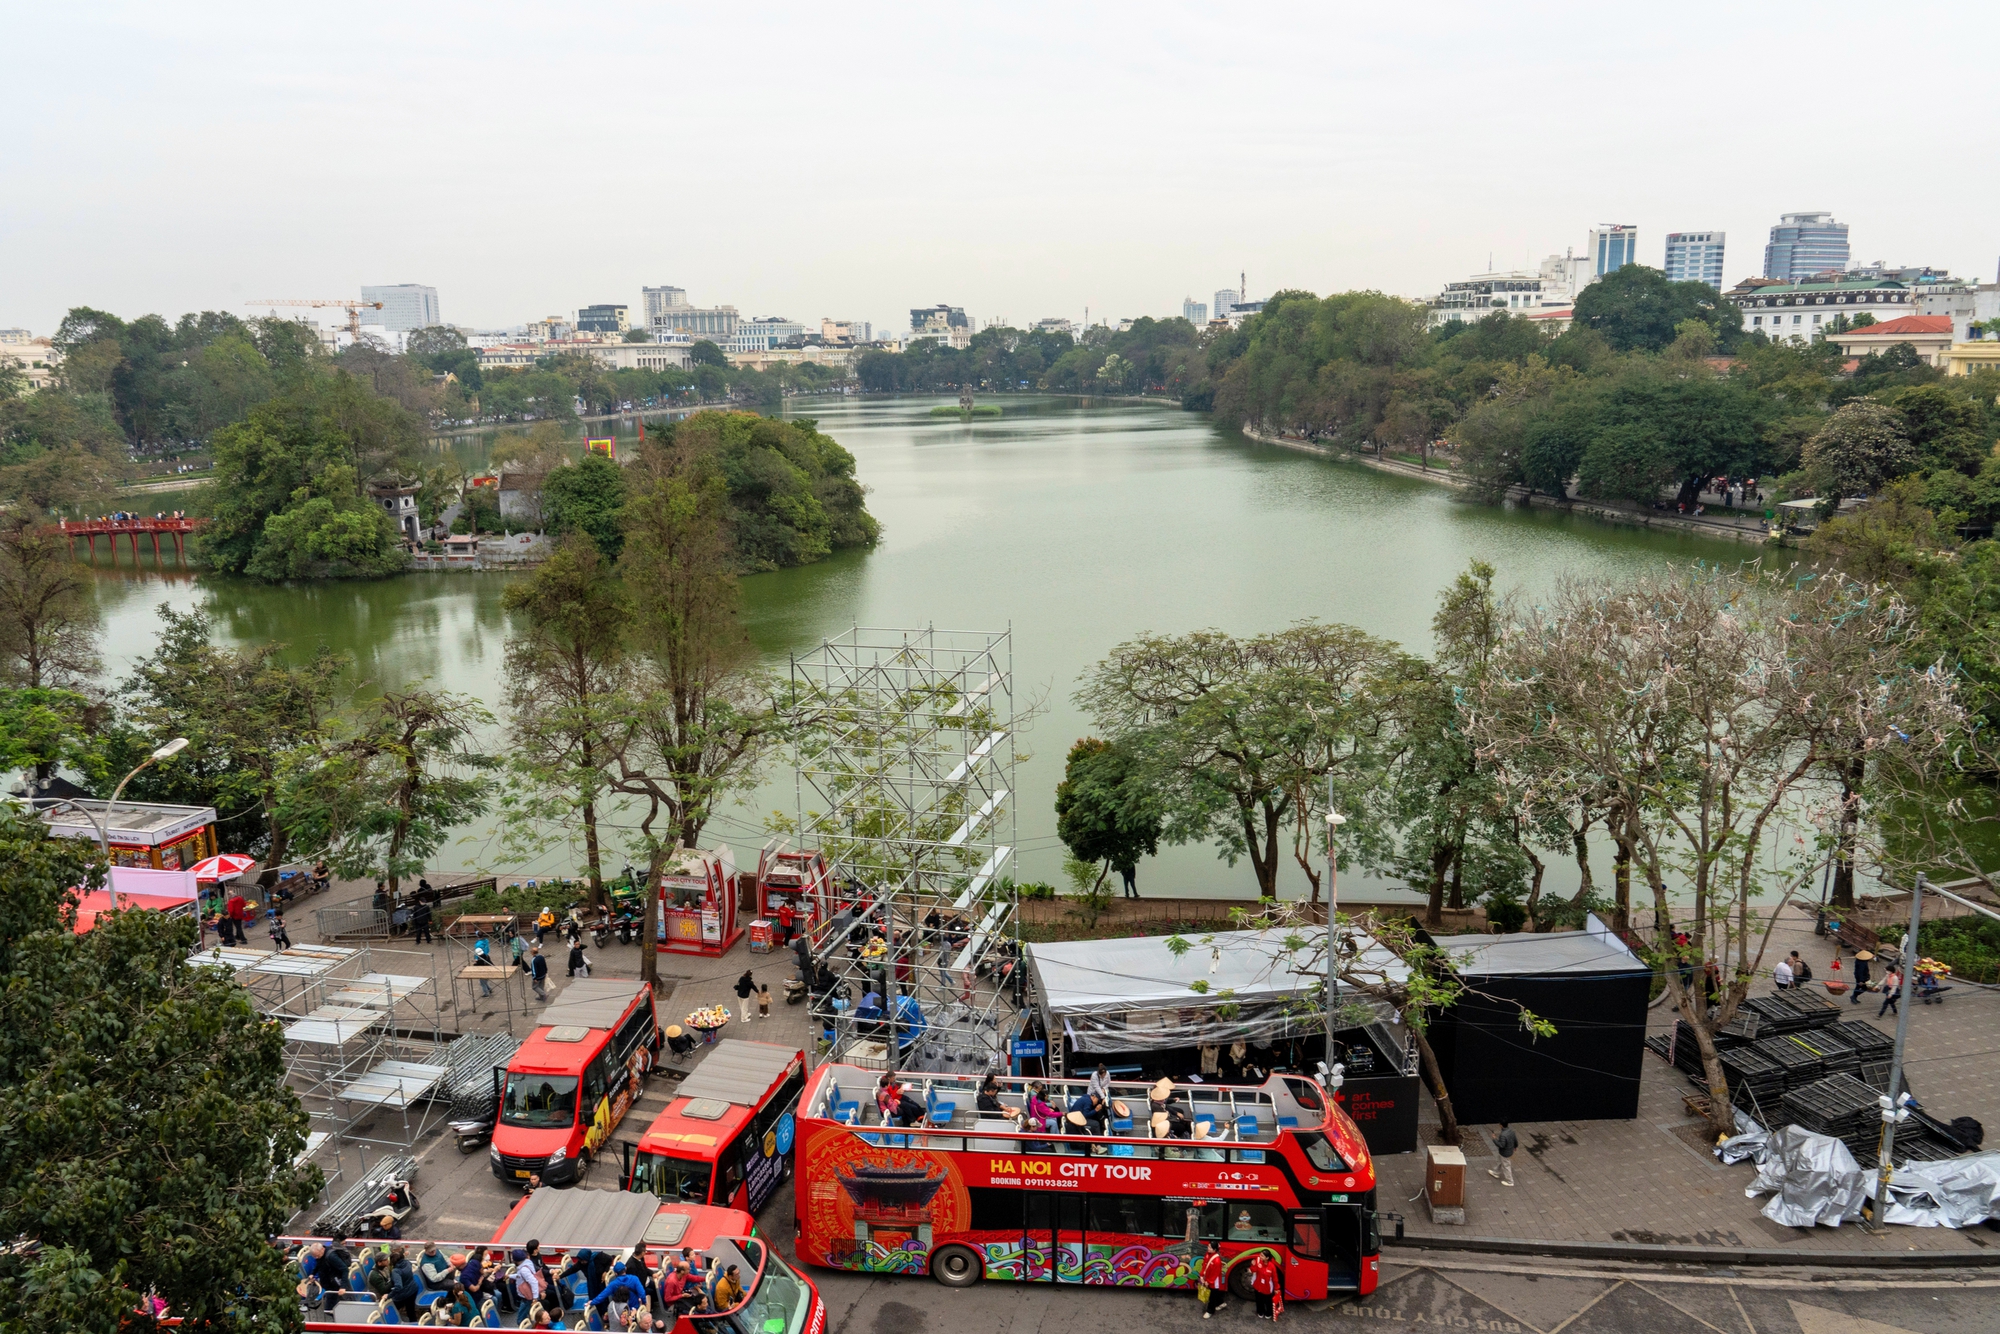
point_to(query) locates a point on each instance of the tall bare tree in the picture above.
(699, 716)
(1705, 704)
(48, 620)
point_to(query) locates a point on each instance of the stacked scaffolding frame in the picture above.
(906, 778)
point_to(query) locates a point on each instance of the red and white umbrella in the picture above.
(227, 866)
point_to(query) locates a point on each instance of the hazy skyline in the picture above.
(858, 161)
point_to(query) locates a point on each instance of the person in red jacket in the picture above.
(1214, 1282)
(1264, 1282)
(239, 917)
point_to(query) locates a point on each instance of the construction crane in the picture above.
(353, 308)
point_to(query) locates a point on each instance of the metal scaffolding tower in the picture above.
(905, 780)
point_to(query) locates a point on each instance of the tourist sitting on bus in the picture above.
(1041, 1115)
(1100, 1083)
(988, 1102)
(1091, 1107)
(729, 1290)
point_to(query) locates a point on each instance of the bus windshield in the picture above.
(681, 1179)
(539, 1102)
(1321, 1153)
(780, 1301)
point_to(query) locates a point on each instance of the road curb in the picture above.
(1699, 1255)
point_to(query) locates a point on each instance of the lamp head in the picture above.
(1334, 819)
(171, 749)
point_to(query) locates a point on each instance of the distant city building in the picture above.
(603, 319)
(945, 324)
(716, 324)
(1965, 303)
(1695, 257)
(35, 358)
(1194, 312)
(1800, 312)
(1225, 301)
(659, 300)
(657, 356)
(763, 335)
(1056, 324)
(1547, 294)
(1613, 245)
(16, 336)
(405, 306)
(1804, 244)
(550, 329)
(1928, 335)
(843, 332)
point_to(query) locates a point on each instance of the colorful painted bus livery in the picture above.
(1276, 1168)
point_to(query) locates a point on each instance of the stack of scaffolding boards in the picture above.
(1875, 1052)
(469, 1065)
(1790, 1010)
(1756, 1082)
(1800, 1064)
(1841, 1106)
(1829, 1044)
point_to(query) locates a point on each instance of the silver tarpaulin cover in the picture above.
(1815, 1178)
(1750, 1141)
(1958, 1192)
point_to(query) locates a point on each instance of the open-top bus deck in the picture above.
(1276, 1167)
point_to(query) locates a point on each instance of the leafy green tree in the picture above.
(392, 781)
(152, 1140)
(587, 497)
(793, 496)
(1230, 733)
(1106, 813)
(334, 534)
(48, 614)
(1627, 462)
(245, 712)
(706, 353)
(565, 669)
(44, 730)
(1638, 310)
(1946, 429)
(1858, 450)
(637, 336)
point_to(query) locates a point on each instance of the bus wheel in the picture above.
(956, 1267)
(1239, 1284)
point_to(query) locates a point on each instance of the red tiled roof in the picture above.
(1908, 324)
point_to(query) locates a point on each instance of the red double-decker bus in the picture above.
(966, 1195)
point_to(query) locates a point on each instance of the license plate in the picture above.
(521, 1172)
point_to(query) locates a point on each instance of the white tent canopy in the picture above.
(1139, 995)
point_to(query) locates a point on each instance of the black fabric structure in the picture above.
(1588, 984)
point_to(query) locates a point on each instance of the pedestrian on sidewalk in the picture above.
(577, 962)
(1214, 1282)
(538, 973)
(1862, 958)
(1782, 974)
(420, 918)
(482, 957)
(1892, 991)
(744, 986)
(764, 1001)
(280, 938)
(1264, 1282)
(1505, 1143)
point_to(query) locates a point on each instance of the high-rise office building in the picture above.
(1695, 257)
(1225, 301)
(659, 300)
(1803, 244)
(1194, 312)
(1613, 245)
(405, 306)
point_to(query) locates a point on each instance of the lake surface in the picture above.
(1076, 525)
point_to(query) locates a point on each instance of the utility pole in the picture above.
(1892, 1105)
(1334, 820)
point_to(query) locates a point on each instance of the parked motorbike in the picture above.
(472, 1135)
(396, 1200)
(795, 990)
(572, 926)
(600, 931)
(628, 928)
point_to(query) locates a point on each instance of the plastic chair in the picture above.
(594, 1320)
(1205, 1119)
(387, 1310)
(1288, 1122)
(1246, 1127)
(939, 1110)
(1121, 1125)
(489, 1314)
(1122, 1151)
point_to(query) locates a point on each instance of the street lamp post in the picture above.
(1334, 820)
(103, 827)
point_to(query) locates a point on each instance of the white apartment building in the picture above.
(846, 331)
(1695, 257)
(636, 356)
(1801, 312)
(717, 324)
(1056, 324)
(657, 301)
(405, 306)
(763, 335)
(1194, 312)
(1613, 245)
(1966, 303)
(1225, 301)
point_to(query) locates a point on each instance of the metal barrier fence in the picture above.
(352, 923)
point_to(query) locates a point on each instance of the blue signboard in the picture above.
(1024, 1047)
(786, 1132)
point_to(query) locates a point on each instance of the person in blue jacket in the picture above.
(623, 1289)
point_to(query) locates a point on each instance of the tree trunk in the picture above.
(1580, 839)
(1458, 878)
(591, 855)
(1263, 851)
(654, 919)
(1535, 885)
(1621, 881)
(1441, 855)
(280, 841)
(1720, 1120)
(1852, 773)
(1447, 1118)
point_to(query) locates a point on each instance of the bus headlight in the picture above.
(493, 1152)
(558, 1156)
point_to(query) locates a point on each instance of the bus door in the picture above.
(1053, 1246)
(1339, 1241)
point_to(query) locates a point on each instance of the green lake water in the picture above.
(1075, 525)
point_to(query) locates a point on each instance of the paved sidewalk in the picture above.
(1654, 1181)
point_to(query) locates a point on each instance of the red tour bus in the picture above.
(571, 1082)
(776, 1299)
(726, 1138)
(1277, 1168)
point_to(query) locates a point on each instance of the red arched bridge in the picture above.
(92, 529)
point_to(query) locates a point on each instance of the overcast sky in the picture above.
(1017, 160)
